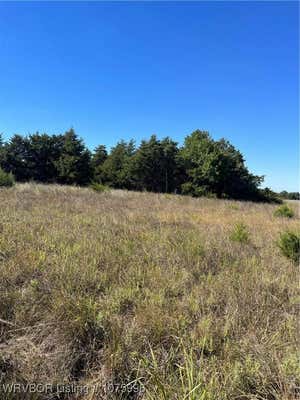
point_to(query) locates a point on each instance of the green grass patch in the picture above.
(284, 211)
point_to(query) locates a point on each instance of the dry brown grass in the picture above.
(112, 287)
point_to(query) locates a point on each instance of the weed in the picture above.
(289, 244)
(240, 233)
(284, 211)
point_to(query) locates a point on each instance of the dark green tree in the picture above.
(15, 158)
(2, 151)
(74, 163)
(172, 169)
(154, 165)
(202, 166)
(115, 171)
(145, 168)
(98, 158)
(44, 152)
(216, 167)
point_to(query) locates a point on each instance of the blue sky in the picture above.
(127, 70)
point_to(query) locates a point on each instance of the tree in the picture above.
(289, 195)
(233, 178)
(2, 151)
(98, 158)
(216, 167)
(15, 155)
(74, 163)
(154, 165)
(145, 167)
(172, 167)
(201, 166)
(44, 152)
(115, 169)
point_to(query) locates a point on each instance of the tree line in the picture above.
(289, 195)
(201, 166)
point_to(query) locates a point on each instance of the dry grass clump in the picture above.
(145, 290)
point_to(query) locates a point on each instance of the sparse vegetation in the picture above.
(289, 244)
(145, 289)
(284, 211)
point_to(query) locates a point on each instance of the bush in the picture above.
(240, 233)
(289, 244)
(98, 187)
(6, 179)
(202, 191)
(284, 211)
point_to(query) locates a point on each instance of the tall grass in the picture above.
(147, 293)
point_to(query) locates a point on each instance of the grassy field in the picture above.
(138, 295)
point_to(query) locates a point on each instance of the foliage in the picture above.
(98, 187)
(201, 167)
(6, 179)
(268, 196)
(289, 244)
(45, 158)
(115, 169)
(154, 166)
(284, 211)
(216, 167)
(16, 158)
(43, 152)
(240, 233)
(74, 163)
(98, 158)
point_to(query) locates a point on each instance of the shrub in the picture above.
(98, 187)
(284, 211)
(289, 244)
(6, 179)
(240, 233)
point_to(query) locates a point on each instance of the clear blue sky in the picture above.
(127, 70)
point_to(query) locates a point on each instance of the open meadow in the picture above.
(139, 295)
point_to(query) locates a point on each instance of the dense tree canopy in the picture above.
(98, 158)
(154, 166)
(201, 166)
(16, 157)
(115, 169)
(74, 162)
(216, 167)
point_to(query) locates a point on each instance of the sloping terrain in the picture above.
(182, 298)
